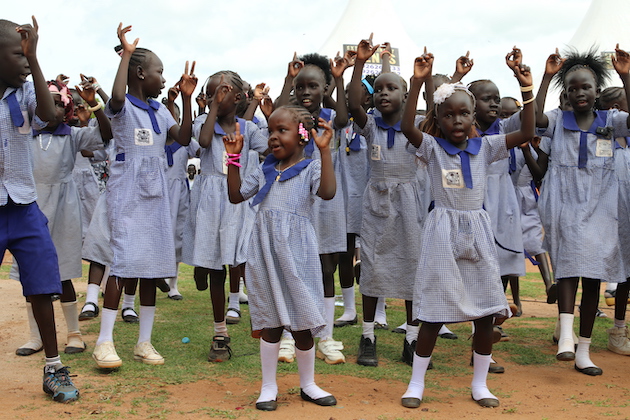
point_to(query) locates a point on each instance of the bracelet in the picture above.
(96, 86)
(529, 101)
(95, 108)
(527, 88)
(233, 159)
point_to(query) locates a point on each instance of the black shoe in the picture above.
(267, 405)
(87, 313)
(323, 401)
(449, 336)
(130, 315)
(591, 370)
(163, 285)
(408, 351)
(367, 352)
(399, 330)
(343, 323)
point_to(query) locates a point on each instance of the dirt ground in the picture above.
(545, 392)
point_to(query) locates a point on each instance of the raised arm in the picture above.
(120, 82)
(97, 87)
(294, 69)
(259, 93)
(337, 67)
(621, 62)
(422, 68)
(45, 108)
(207, 130)
(88, 94)
(386, 54)
(552, 66)
(186, 86)
(528, 117)
(233, 147)
(463, 66)
(327, 182)
(365, 49)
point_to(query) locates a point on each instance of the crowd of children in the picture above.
(440, 207)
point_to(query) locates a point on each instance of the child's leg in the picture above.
(516, 295)
(588, 312)
(34, 343)
(328, 349)
(482, 355)
(200, 275)
(69, 305)
(242, 296)
(367, 346)
(95, 276)
(233, 315)
(618, 341)
(567, 289)
(269, 349)
(220, 348)
(129, 313)
(144, 350)
(380, 316)
(411, 335)
(346, 279)
(172, 283)
(305, 355)
(45, 318)
(425, 343)
(104, 352)
(545, 271)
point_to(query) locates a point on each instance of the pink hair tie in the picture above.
(303, 132)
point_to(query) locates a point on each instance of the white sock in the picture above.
(380, 316)
(92, 293)
(349, 304)
(306, 369)
(611, 286)
(329, 317)
(172, 283)
(128, 301)
(565, 341)
(415, 389)
(444, 330)
(620, 323)
(269, 366)
(220, 328)
(412, 333)
(403, 326)
(368, 330)
(233, 301)
(582, 357)
(53, 362)
(286, 334)
(108, 318)
(480, 369)
(147, 315)
(34, 340)
(72, 317)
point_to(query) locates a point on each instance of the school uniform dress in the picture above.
(502, 206)
(88, 188)
(329, 215)
(527, 198)
(392, 215)
(215, 229)
(457, 277)
(579, 197)
(284, 277)
(622, 169)
(178, 191)
(354, 173)
(138, 208)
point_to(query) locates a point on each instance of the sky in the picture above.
(257, 39)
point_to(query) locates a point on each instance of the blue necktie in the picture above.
(170, 151)
(391, 130)
(473, 147)
(512, 161)
(271, 175)
(14, 108)
(151, 107)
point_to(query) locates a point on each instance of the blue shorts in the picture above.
(24, 232)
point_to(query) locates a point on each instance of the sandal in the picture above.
(130, 315)
(87, 313)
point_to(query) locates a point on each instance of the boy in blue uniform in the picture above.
(23, 229)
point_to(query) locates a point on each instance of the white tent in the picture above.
(360, 19)
(604, 25)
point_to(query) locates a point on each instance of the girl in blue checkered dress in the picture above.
(458, 271)
(283, 268)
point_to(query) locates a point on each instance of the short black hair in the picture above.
(7, 31)
(589, 60)
(320, 61)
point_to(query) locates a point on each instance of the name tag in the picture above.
(375, 153)
(604, 148)
(452, 178)
(143, 137)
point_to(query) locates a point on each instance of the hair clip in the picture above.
(303, 132)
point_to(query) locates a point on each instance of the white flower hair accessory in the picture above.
(445, 90)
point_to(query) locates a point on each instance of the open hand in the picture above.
(323, 141)
(126, 46)
(554, 63)
(338, 65)
(365, 49)
(621, 61)
(234, 142)
(88, 93)
(188, 82)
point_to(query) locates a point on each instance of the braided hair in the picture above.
(138, 58)
(300, 115)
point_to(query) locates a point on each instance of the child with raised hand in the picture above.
(137, 198)
(458, 273)
(310, 76)
(392, 215)
(284, 269)
(216, 230)
(54, 150)
(579, 195)
(23, 226)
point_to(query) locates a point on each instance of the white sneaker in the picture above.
(287, 350)
(146, 353)
(618, 341)
(105, 356)
(330, 351)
